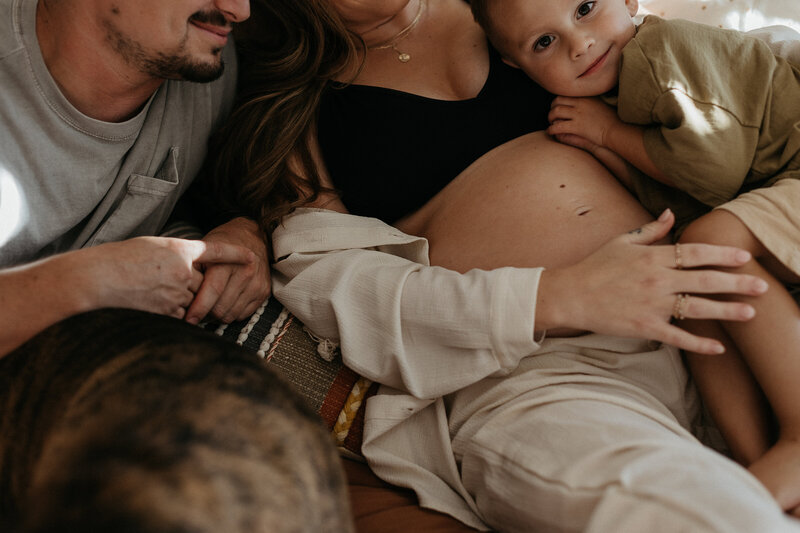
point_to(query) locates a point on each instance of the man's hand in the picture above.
(155, 274)
(234, 290)
(588, 118)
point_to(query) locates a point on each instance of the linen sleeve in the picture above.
(417, 328)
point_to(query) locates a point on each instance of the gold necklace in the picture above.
(402, 34)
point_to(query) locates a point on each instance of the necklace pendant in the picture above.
(402, 56)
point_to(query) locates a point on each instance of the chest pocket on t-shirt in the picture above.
(145, 203)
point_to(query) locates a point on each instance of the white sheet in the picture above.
(741, 15)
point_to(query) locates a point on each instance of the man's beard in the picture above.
(184, 68)
(171, 65)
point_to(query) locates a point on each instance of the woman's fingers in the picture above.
(684, 340)
(717, 282)
(696, 255)
(653, 231)
(693, 306)
(633, 288)
(196, 281)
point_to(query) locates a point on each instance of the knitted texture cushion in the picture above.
(312, 366)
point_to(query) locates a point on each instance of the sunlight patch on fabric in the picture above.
(13, 210)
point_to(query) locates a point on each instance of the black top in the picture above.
(389, 152)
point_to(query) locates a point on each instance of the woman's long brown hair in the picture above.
(260, 162)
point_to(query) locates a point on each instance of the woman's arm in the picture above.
(517, 244)
(430, 330)
(401, 322)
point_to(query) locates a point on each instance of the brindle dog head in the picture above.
(128, 422)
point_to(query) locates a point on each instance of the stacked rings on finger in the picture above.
(678, 257)
(677, 308)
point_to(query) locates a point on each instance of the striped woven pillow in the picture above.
(312, 366)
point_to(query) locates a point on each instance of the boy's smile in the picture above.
(569, 47)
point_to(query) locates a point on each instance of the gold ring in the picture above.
(678, 257)
(677, 308)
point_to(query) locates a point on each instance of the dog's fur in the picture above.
(123, 421)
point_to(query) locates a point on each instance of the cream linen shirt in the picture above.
(463, 409)
(421, 331)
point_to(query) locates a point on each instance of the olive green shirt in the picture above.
(724, 111)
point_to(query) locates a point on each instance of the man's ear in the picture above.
(633, 6)
(510, 63)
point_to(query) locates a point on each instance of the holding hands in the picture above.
(233, 290)
(225, 274)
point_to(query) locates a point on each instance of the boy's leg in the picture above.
(770, 344)
(731, 395)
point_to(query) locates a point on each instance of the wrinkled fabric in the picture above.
(494, 427)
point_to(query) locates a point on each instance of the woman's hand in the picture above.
(154, 274)
(233, 291)
(630, 288)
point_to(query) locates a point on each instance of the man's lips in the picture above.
(219, 32)
(596, 65)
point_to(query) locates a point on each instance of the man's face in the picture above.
(172, 39)
(569, 47)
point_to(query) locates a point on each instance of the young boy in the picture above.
(694, 118)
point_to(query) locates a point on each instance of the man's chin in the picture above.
(202, 72)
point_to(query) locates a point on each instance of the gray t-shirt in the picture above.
(68, 181)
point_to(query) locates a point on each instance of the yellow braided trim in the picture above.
(348, 412)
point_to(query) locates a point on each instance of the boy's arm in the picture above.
(619, 167)
(592, 125)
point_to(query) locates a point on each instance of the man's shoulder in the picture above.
(11, 26)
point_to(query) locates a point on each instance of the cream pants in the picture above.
(586, 437)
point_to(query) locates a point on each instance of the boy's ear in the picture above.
(510, 63)
(633, 6)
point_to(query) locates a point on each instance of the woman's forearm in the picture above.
(423, 329)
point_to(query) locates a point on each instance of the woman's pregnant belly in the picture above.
(530, 202)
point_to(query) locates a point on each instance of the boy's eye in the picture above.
(585, 8)
(543, 42)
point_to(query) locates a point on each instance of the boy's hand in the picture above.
(588, 118)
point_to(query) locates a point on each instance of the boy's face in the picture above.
(569, 47)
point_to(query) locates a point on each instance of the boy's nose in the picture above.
(581, 43)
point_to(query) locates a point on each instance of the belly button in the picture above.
(583, 210)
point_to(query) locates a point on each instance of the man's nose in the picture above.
(234, 10)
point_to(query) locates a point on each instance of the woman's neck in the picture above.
(448, 50)
(394, 27)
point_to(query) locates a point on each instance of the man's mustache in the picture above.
(213, 17)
